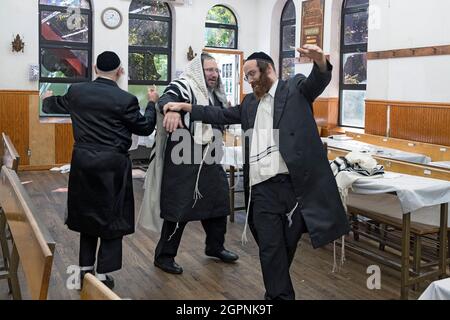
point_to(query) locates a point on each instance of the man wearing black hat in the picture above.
(100, 195)
(290, 188)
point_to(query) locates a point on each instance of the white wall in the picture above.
(105, 39)
(398, 24)
(18, 17)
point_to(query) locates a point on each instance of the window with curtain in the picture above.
(150, 46)
(287, 41)
(65, 44)
(221, 28)
(353, 74)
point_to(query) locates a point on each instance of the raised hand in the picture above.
(47, 94)
(314, 53)
(152, 94)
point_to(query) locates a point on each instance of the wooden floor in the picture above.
(203, 277)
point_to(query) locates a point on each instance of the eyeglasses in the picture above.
(250, 75)
(212, 70)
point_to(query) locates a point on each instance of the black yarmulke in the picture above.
(260, 56)
(108, 61)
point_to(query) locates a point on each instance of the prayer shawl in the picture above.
(265, 158)
(347, 170)
(192, 87)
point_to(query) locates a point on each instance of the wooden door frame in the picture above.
(241, 66)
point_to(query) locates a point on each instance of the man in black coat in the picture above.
(286, 173)
(100, 194)
(180, 181)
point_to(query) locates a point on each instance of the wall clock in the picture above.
(111, 18)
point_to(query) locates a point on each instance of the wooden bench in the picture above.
(384, 210)
(434, 151)
(94, 289)
(403, 222)
(33, 246)
(9, 157)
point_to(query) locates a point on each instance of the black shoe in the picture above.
(169, 267)
(109, 281)
(224, 255)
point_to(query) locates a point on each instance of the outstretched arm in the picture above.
(176, 91)
(320, 76)
(206, 114)
(55, 104)
(142, 125)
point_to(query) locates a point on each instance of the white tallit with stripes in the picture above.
(265, 157)
(150, 213)
(191, 87)
(347, 170)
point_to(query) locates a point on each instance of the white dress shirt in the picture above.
(265, 158)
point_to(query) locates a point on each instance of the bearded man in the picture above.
(193, 184)
(290, 188)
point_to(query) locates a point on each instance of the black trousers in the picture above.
(109, 257)
(215, 230)
(277, 241)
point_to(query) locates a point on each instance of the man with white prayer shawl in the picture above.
(193, 184)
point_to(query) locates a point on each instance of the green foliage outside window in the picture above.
(221, 14)
(218, 35)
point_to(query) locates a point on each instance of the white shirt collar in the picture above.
(273, 89)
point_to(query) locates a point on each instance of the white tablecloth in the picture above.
(441, 164)
(437, 290)
(354, 145)
(146, 141)
(413, 192)
(232, 156)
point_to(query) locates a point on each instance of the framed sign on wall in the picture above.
(312, 24)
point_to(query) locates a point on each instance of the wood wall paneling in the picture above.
(63, 143)
(431, 125)
(14, 117)
(376, 118)
(417, 121)
(326, 111)
(42, 152)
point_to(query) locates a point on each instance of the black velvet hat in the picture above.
(108, 61)
(260, 56)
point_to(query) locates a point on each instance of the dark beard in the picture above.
(262, 86)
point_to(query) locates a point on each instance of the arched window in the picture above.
(353, 75)
(287, 41)
(65, 44)
(221, 28)
(150, 43)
